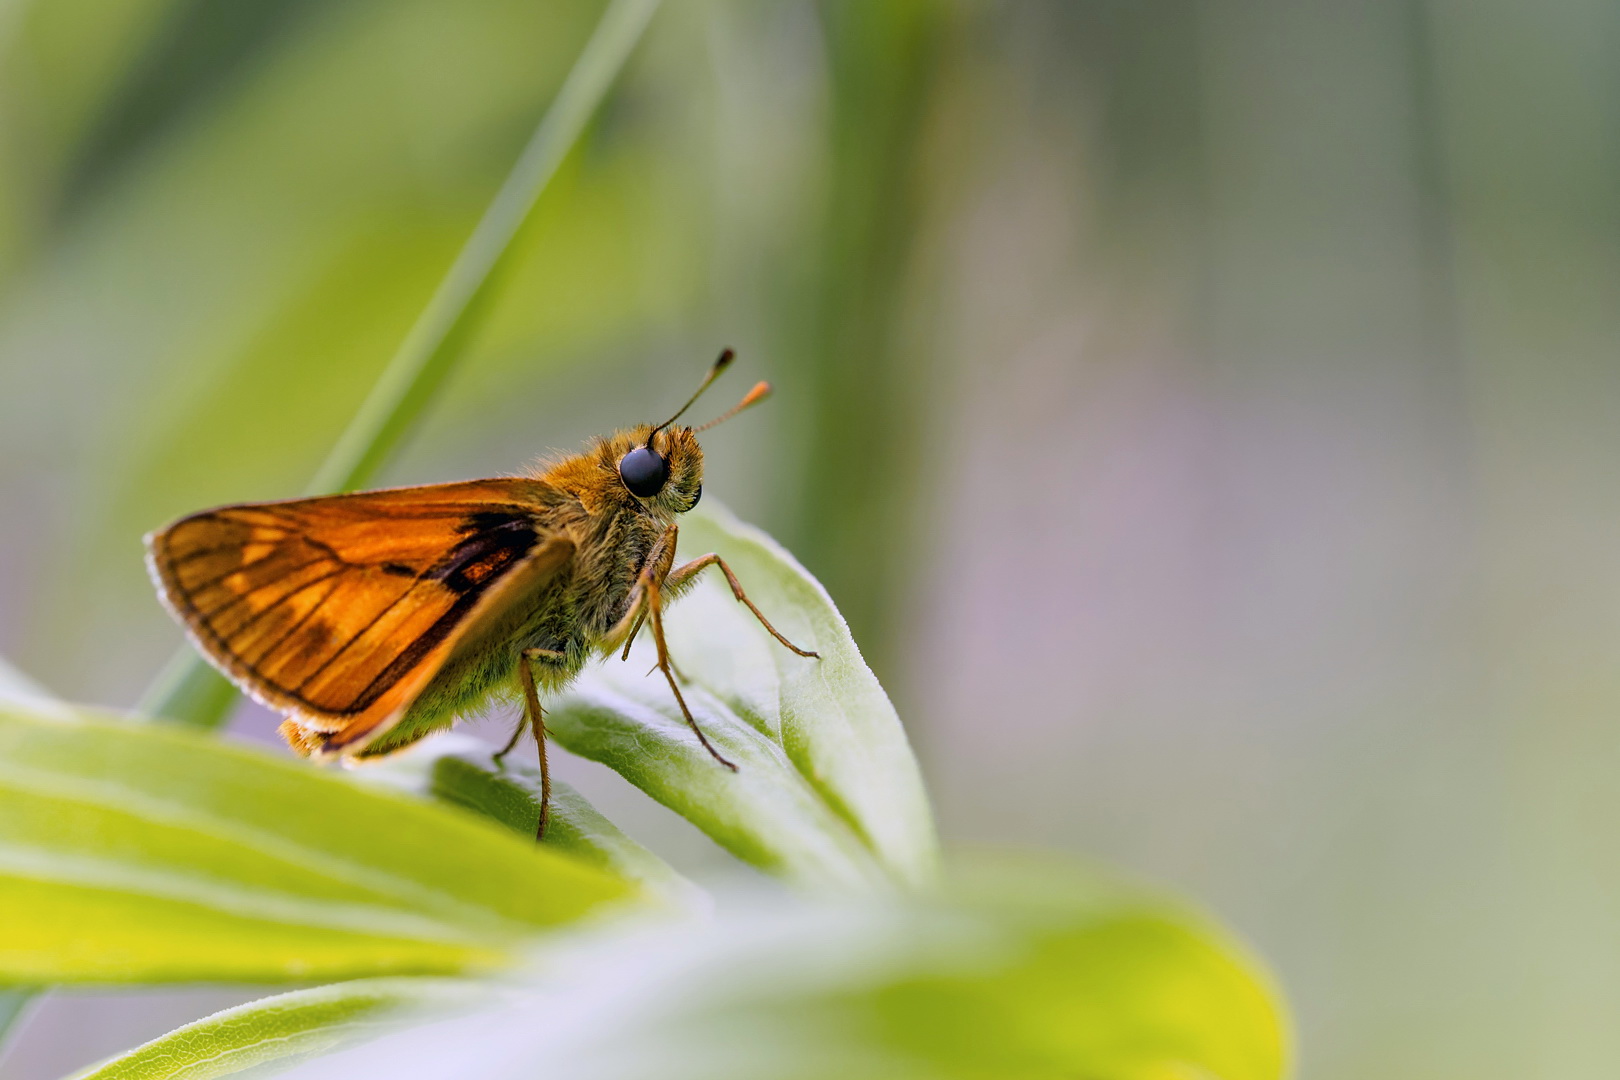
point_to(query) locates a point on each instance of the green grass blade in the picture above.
(18, 690)
(461, 770)
(147, 853)
(191, 692)
(283, 1029)
(510, 793)
(435, 342)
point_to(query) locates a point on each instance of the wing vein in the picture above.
(392, 604)
(215, 550)
(239, 597)
(257, 615)
(253, 665)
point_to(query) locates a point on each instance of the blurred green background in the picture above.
(1208, 414)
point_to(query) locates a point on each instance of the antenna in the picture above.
(760, 392)
(720, 365)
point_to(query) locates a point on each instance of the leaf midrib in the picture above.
(111, 795)
(28, 863)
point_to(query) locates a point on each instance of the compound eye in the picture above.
(644, 471)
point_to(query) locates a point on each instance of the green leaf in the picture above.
(19, 690)
(1092, 980)
(283, 1029)
(827, 790)
(1033, 975)
(146, 853)
(462, 771)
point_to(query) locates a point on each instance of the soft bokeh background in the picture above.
(1207, 413)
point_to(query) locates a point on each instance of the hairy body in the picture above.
(579, 614)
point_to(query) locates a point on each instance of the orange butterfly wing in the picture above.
(339, 610)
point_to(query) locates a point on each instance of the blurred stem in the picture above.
(862, 460)
(187, 689)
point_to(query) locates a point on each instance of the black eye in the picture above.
(644, 472)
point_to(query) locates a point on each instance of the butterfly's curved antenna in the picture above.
(720, 365)
(758, 394)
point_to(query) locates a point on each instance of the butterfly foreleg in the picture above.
(649, 592)
(659, 559)
(630, 639)
(638, 613)
(687, 571)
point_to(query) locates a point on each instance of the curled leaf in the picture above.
(827, 789)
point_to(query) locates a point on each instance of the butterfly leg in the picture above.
(523, 720)
(687, 571)
(517, 733)
(640, 620)
(630, 640)
(537, 720)
(652, 575)
(659, 560)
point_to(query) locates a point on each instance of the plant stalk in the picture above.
(187, 689)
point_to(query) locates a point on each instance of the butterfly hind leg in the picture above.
(523, 723)
(517, 734)
(535, 719)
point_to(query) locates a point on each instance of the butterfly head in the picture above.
(663, 468)
(663, 465)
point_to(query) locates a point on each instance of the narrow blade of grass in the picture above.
(147, 853)
(19, 690)
(191, 692)
(462, 771)
(281, 1030)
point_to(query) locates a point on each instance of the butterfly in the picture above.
(370, 620)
